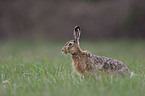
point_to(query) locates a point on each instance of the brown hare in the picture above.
(85, 63)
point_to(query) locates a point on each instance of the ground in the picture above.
(36, 68)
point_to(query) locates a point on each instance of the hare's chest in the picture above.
(81, 64)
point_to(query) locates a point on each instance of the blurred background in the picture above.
(55, 20)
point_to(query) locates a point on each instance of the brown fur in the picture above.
(82, 64)
(85, 63)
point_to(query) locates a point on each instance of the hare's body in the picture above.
(85, 63)
(88, 64)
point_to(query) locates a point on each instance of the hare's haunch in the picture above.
(85, 63)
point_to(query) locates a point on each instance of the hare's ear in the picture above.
(77, 33)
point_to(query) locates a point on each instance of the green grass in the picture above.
(39, 69)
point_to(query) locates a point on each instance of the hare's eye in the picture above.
(70, 44)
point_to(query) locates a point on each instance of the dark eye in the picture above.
(70, 44)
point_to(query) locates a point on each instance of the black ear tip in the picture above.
(77, 28)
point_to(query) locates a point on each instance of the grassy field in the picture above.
(39, 69)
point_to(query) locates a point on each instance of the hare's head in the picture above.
(72, 46)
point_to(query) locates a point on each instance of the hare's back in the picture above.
(109, 64)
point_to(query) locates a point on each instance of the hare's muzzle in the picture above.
(64, 51)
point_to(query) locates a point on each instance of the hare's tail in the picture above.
(131, 74)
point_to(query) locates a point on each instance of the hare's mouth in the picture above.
(63, 53)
